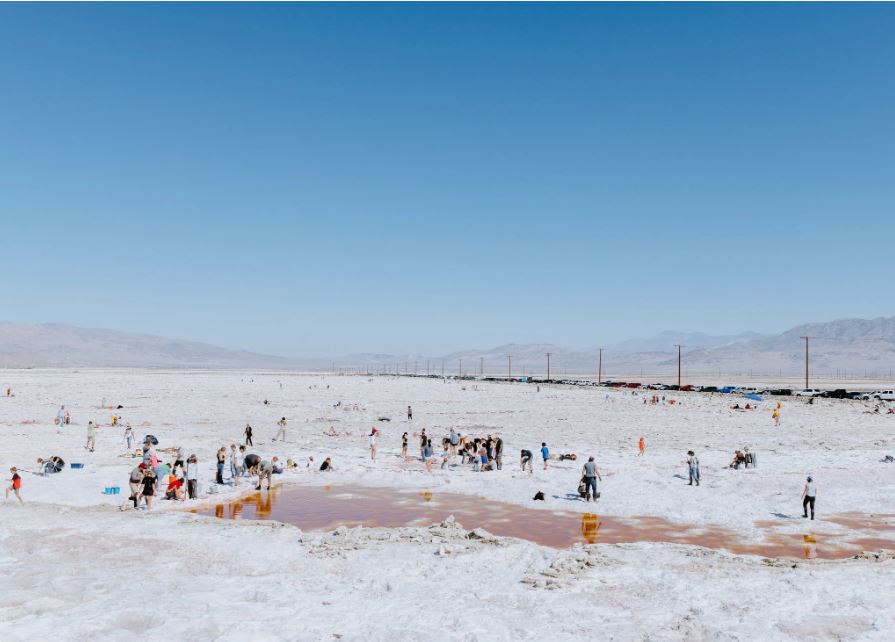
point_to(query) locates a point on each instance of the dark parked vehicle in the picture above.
(709, 389)
(687, 388)
(673, 387)
(839, 393)
(780, 392)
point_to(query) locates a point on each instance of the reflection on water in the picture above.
(810, 546)
(316, 508)
(590, 527)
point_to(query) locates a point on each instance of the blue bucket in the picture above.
(77, 465)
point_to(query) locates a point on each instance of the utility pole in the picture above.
(548, 365)
(509, 366)
(600, 366)
(679, 346)
(806, 359)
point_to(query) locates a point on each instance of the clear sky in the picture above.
(318, 180)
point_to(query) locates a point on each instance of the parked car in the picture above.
(747, 390)
(708, 389)
(727, 389)
(854, 394)
(672, 387)
(882, 395)
(658, 386)
(687, 388)
(839, 393)
(809, 392)
(785, 392)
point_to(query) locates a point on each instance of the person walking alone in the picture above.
(642, 445)
(591, 474)
(409, 413)
(809, 494)
(248, 434)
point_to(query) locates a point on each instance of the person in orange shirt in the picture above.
(642, 446)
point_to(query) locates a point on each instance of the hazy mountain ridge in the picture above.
(61, 345)
(848, 344)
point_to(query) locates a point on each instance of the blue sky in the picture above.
(317, 180)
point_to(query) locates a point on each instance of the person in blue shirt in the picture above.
(545, 454)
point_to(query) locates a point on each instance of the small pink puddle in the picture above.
(316, 508)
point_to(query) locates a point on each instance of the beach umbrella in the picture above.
(150, 439)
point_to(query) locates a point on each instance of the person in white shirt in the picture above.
(373, 434)
(281, 432)
(809, 493)
(234, 464)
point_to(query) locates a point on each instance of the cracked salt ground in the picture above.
(315, 508)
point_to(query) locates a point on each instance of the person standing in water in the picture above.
(545, 454)
(498, 453)
(642, 445)
(91, 436)
(809, 493)
(409, 413)
(693, 465)
(404, 445)
(129, 438)
(60, 416)
(192, 477)
(282, 429)
(248, 434)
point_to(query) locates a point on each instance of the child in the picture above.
(642, 445)
(148, 490)
(545, 454)
(16, 485)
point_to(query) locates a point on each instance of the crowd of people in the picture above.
(179, 479)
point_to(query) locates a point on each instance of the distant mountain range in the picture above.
(59, 345)
(850, 345)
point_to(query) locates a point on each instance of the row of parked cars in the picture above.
(839, 393)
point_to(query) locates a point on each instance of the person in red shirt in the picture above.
(16, 484)
(642, 446)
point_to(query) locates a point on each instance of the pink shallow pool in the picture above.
(324, 508)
